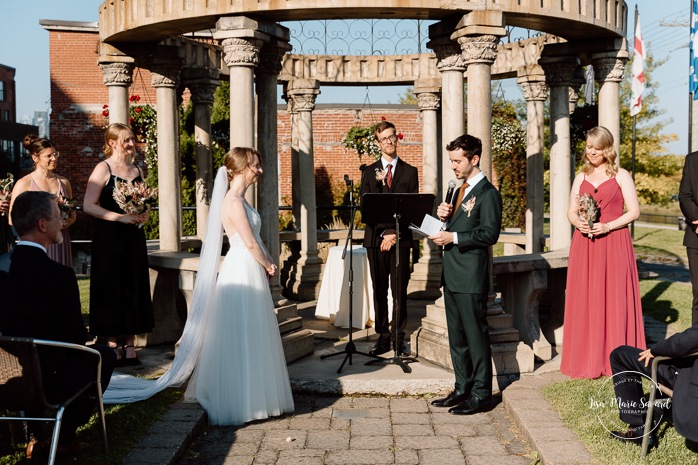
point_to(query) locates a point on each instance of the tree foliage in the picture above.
(509, 161)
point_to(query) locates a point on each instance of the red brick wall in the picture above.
(78, 94)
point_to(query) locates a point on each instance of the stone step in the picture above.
(298, 344)
(290, 325)
(508, 358)
(499, 332)
(285, 312)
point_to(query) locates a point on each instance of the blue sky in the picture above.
(24, 46)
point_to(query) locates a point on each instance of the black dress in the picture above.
(120, 302)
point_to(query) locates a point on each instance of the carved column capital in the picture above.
(448, 57)
(479, 48)
(302, 102)
(271, 57)
(240, 51)
(609, 68)
(559, 72)
(117, 73)
(165, 75)
(202, 92)
(534, 90)
(428, 100)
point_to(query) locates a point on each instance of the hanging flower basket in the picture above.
(361, 140)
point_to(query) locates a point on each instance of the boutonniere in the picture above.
(381, 175)
(469, 205)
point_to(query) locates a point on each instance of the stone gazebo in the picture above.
(251, 48)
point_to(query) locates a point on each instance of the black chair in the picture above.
(22, 388)
(653, 394)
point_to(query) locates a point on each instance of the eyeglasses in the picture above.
(55, 155)
(392, 139)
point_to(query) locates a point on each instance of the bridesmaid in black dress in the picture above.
(120, 302)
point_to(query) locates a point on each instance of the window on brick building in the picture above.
(2, 91)
(6, 116)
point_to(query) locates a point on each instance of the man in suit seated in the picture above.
(41, 301)
(680, 374)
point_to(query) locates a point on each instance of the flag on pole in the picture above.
(693, 68)
(638, 69)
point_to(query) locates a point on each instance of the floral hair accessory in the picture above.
(469, 205)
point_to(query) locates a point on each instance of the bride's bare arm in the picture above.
(235, 216)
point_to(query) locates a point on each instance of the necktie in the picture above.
(389, 176)
(461, 194)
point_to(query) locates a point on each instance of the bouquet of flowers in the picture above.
(588, 210)
(66, 206)
(6, 188)
(134, 198)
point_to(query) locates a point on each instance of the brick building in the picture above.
(78, 96)
(11, 132)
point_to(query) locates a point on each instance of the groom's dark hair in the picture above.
(470, 145)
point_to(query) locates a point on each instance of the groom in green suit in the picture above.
(472, 225)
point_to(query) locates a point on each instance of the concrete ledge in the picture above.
(541, 424)
(169, 437)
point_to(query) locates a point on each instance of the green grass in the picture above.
(656, 242)
(668, 302)
(126, 424)
(84, 287)
(572, 399)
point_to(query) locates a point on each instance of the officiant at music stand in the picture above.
(389, 174)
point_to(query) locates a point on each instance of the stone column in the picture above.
(608, 71)
(202, 99)
(558, 76)
(532, 81)
(450, 64)
(267, 143)
(479, 53)
(118, 77)
(304, 280)
(425, 281)
(165, 79)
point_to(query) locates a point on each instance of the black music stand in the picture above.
(350, 348)
(385, 208)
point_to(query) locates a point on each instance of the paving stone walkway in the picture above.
(365, 430)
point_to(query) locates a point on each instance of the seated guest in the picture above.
(53, 313)
(680, 374)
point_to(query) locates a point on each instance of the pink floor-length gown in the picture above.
(602, 305)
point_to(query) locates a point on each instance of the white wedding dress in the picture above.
(231, 339)
(241, 375)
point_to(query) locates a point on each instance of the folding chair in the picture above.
(653, 394)
(22, 389)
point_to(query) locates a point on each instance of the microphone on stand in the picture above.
(449, 192)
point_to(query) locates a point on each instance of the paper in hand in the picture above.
(430, 226)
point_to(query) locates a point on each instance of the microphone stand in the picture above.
(350, 348)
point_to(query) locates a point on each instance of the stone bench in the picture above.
(531, 285)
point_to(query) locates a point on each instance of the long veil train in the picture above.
(125, 388)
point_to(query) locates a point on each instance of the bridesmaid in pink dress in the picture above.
(44, 178)
(602, 305)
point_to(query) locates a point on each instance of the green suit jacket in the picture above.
(465, 264)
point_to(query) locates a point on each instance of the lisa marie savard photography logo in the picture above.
(609, 407)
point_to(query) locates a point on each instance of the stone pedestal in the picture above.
(510, 357)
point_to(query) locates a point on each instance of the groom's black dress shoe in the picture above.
(454, 398)
(380, 348)
(471, 406)
(635, 434)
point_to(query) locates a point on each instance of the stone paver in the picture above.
(422, 436)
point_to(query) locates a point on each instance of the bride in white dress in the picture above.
(231, 339)
(241, 375)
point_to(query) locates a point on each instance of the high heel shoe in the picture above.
(131, 361)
